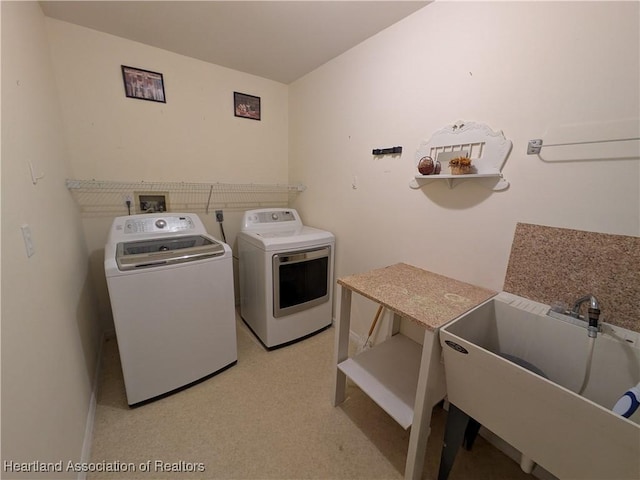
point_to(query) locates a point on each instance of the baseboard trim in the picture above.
(355, 338)
(85, 456)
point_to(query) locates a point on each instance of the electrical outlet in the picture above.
(219, 216)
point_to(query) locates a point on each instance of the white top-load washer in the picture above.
(171, 290)
(286, 276)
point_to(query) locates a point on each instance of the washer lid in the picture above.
(164, 251)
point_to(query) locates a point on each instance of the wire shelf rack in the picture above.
(105, 198)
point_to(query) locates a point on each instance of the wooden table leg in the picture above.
(342, 345)
(425, 399)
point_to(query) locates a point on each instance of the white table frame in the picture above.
(430, 387)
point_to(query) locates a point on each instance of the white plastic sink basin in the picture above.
(569, 435)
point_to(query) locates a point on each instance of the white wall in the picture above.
(519, 67)
(193, 137)
(49, 329)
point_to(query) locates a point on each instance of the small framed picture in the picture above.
(246, 106)
(143, 84)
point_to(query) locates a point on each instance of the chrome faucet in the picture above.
(593, 303)
(593, 313)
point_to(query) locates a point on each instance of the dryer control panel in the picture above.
(281, 217)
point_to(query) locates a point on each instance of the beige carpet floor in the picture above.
(268, 417)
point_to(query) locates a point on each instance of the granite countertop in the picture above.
(550, 264)
(429, 299)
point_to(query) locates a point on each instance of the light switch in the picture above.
(28, 241)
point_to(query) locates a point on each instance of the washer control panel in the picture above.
(145, 226)
(155, 224)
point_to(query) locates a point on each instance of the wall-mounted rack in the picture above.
(387, 151)
(584, 141)
(487, 149)
(534, 146)
(103, 198)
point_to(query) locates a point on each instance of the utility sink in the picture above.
(516, 370)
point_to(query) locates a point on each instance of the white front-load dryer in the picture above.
(171, 291)
(286, 276)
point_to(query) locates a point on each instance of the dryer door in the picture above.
(300, 280)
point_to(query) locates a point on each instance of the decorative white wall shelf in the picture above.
(102, 198)
(487, 149)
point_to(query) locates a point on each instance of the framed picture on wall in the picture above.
(143, 84)
(246, 106)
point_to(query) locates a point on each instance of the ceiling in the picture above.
(279, 40)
